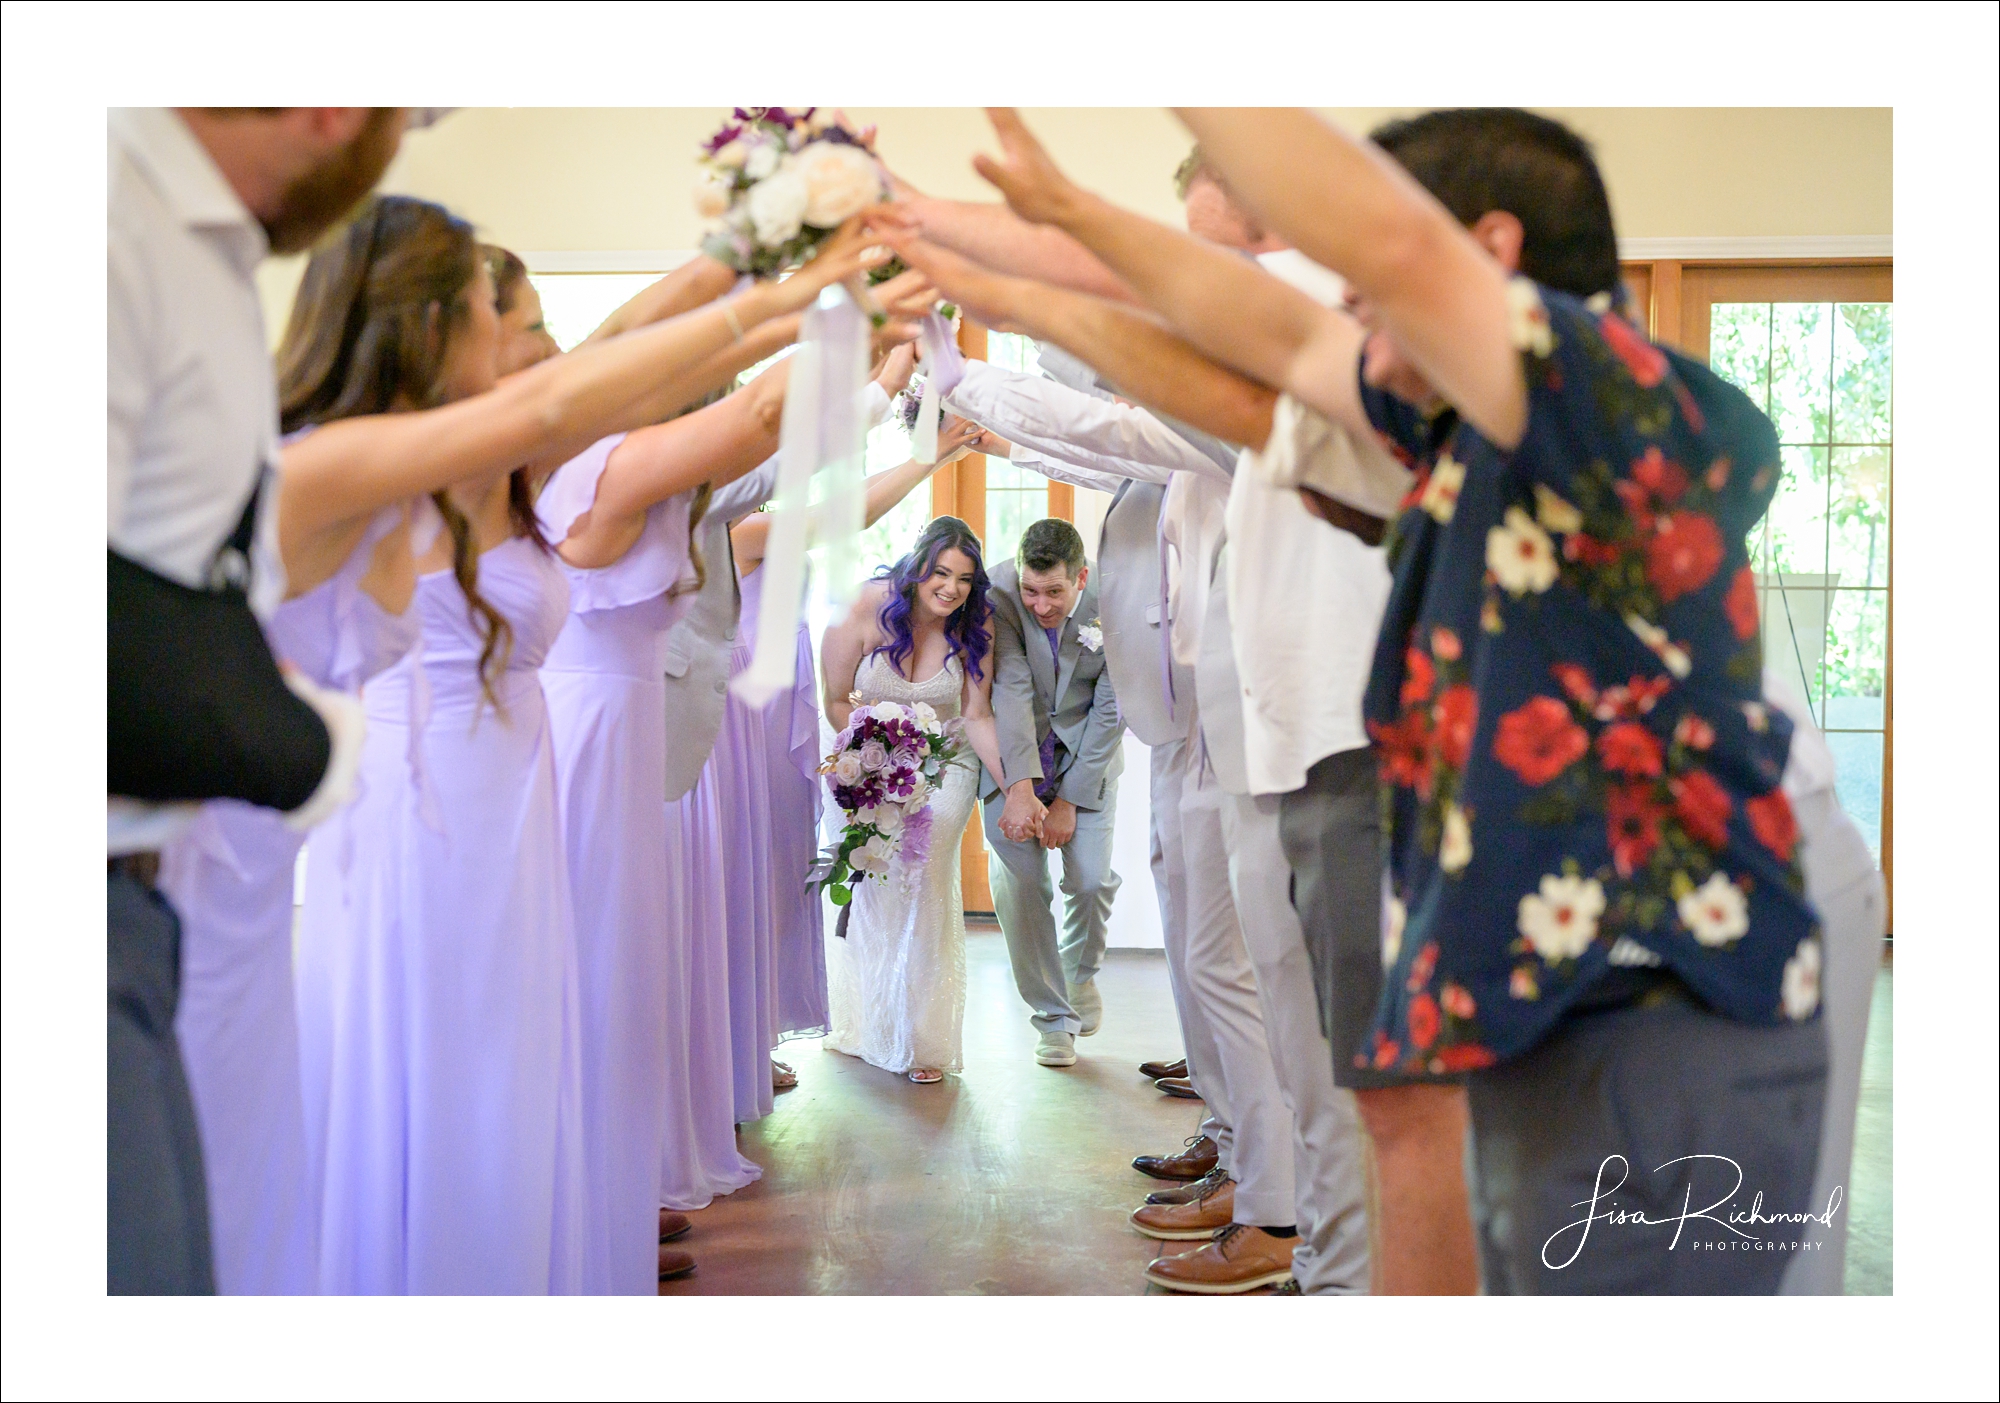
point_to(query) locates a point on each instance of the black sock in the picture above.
(1290, 1230)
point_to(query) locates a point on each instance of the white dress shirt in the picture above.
(1305, 599)
(1068, 426)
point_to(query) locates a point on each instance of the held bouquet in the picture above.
(781, 180)
(884, 768)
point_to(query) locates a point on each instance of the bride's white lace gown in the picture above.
(896, 983)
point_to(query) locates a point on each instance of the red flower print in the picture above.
(1702, 806)
(1521, 984)
(1457, 1001)
(1638, 504)
(1423, 966)
(1423, 481)
(1386, 1053)
(1741, 603)
(1576, 683)
(1630, 749)
(1539, 741)
(1466, 1057)
(1660, 475)
(1717, 476)
(1423, 1021)
(1772, 821)
(1694, 732)
(1683, 554)
(1642, 358)
(1457, 714)
(1588, 551)
(1445, 644)
(1632, 817)
(1419, 676)
(1405, 751)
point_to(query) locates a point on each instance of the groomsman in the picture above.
(1060, 749)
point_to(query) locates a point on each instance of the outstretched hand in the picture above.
(1035, 187)
(893, 371)
(986, 296)
(851, 249)
(956, 438)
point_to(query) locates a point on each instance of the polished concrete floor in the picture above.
(1015, 1179)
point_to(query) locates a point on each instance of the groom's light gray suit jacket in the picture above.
(1069, 693)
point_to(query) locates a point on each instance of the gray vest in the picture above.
(1128, 601)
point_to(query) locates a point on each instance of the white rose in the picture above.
(1715, 912)
(1519, 554)
(1455, 848)
(841, 181)
(762, 160)
(847, 768)
(733, 155)
(1393, 918)
(1441, 489)
(711, 195)
(777, 207)
(1801, 986)
(1560, 920)
(927, 716)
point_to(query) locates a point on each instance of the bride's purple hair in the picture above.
(966, 636)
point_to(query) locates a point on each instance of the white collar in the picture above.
(186, 177)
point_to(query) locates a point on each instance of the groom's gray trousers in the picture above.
(1047, 967)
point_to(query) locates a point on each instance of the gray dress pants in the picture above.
(157, 1198)
(1047, 967)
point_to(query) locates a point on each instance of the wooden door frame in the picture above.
(1675, 296)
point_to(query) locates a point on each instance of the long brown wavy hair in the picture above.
(369, 333)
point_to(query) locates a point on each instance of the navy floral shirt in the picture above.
(1579, 769)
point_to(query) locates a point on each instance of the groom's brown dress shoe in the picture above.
(1153, 1071)
(1178, 1086)
(673, 1225)
(674, 1263)
(1193, 1162)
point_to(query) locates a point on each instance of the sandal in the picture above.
(924, 1076)
(783, 1078)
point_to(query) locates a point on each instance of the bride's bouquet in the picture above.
(883, 770)
(781, 180)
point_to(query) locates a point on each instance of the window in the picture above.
(1813, 346)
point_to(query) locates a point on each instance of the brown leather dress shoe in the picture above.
(1194, 1221)
(674, 1263)
(673, 1225)
(1153, 1071)
(1193, 1162)
(1188, 1193)
(1178, 1086)
(1241, 1258)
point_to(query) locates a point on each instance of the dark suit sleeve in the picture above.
(1103, 734)
(1013, 696)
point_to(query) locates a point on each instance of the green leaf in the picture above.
(840, 895)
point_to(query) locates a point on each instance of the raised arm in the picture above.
(1148, 362)
(716, 444)
(1345, 204)
(1224, 304)
(995, 236)
(1056, 422)
(544, 415)
(696, 283)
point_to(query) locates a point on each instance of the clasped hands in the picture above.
(1026, 819)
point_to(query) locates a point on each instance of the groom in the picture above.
(1060, 735)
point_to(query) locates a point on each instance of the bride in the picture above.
(917, 633)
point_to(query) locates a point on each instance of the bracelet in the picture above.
(729, 315)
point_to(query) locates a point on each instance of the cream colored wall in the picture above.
(580, 179)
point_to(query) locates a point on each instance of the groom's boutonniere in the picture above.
(1091, 635)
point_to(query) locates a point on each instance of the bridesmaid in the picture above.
(437, 979)
(622, 513)
(766, 771)
(346, 536)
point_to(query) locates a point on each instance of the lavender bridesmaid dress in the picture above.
(765, 768)
(438, 978)
(607, 711)
(229, 876)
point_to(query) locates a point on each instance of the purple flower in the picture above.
(917, 837)
(722, 138)
(874, 756)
